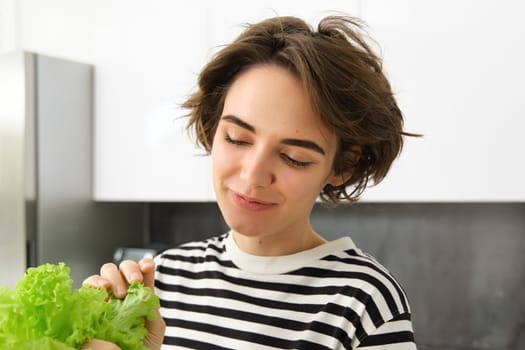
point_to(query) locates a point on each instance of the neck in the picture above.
(278, 244)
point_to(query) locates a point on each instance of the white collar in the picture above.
(283, 263)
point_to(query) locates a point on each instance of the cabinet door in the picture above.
(148, 56)
(457, 69)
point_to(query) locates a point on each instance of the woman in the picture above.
(288, 114)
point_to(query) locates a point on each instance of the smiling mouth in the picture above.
(251, 204)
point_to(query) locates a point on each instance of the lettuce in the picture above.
(44, 313)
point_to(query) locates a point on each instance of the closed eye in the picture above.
(288, 160)
(235, 142)
(293, 162)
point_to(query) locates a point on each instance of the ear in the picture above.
(352, 154)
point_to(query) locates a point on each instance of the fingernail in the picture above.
(120, 291)
(146, 264)
(135, 277)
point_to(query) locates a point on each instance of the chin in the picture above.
(247, 229)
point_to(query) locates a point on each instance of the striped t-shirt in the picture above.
(215, 296)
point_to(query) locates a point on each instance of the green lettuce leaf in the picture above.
(43, 312)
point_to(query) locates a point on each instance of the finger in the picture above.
(97, 281)
(147, 266)
(97, 344)
(111, 273)
(131, 271)
(156, 330)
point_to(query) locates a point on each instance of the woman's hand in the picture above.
(97, 344)
(117, 280)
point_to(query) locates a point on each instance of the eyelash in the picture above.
(294, 163)
(290, 161)
(235, 142)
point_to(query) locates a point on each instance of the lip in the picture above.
(249, 203)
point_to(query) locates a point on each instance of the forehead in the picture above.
(272, 99)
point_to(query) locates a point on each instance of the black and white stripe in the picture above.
(342, 299)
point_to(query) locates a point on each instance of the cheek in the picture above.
(215, 161)
(300, 186)
(222, 160)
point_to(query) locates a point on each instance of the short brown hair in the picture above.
(343, 77)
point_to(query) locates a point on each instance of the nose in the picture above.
(256, 169)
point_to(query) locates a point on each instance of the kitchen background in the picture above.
(119, 169)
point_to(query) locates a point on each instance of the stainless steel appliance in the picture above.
(46, 172)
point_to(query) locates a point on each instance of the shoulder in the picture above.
(376, 296)
(395, 334)
(388, 306)
(361, 289)
(364, 272)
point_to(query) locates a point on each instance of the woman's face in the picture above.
(271, 155)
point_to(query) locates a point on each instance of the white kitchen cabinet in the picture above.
(148, 55)
(457, 69)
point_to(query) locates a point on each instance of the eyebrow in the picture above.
(288, 141)
(233, 119)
